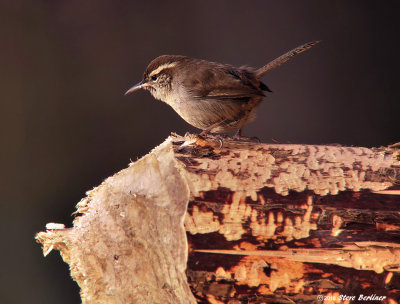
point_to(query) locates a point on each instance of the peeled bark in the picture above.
(281, 223)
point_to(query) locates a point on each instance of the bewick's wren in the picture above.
(210, 96)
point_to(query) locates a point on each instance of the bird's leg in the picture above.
(206, 132)
(239, 136)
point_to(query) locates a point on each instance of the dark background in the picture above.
(66, 126)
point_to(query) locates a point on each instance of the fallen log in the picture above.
(194, 222)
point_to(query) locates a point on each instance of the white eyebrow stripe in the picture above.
(162, 67)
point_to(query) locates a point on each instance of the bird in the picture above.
(211, 96)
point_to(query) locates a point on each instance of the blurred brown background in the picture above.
(66, 126)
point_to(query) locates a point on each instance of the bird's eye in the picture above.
(154, 77)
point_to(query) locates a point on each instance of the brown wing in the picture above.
(211, 80)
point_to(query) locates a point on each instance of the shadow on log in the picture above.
(246, 223)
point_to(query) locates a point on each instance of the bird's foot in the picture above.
(246, 138)
(202, 139)
(218, 137)
(239, 136)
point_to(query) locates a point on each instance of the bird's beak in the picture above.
(137, 86)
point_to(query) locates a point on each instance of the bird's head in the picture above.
(157, 78)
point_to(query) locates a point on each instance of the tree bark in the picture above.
(241, 223)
